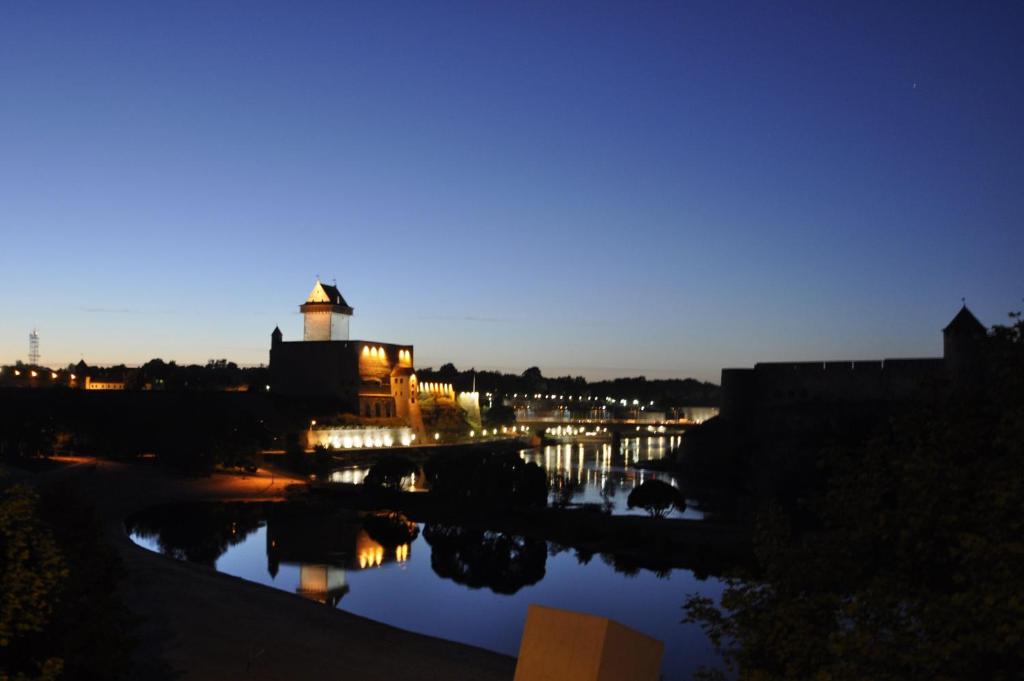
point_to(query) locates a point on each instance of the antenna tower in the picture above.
(33, 348)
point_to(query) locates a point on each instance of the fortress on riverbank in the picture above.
(372, 380)
(773, 387)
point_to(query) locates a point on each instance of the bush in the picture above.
(390, 529)
(499, 415)
(59, 616)
(657, 498)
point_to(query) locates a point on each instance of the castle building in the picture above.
(371, 379)
(770, 388)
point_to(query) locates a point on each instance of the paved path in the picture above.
(201, 624)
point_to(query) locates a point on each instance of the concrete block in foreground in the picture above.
(560, 645)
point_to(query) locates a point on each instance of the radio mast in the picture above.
(33, 348)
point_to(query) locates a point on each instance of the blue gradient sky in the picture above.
(601, 189)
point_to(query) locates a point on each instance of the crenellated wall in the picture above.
(439, 391)
(745, 392)
(773, 384)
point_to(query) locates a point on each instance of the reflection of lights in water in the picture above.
(402, 553)
(352, 476)
(368, 552)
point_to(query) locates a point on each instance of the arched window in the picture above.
(366, 409)
(377, 409)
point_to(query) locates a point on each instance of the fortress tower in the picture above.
(369, 379)
(325, 314)
(961, 346)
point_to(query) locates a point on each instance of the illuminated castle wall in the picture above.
(372, 379)
(470, 403)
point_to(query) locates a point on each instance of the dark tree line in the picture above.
(191, 432)
(663, 392)
(156, 374)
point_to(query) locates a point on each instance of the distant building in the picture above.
(90, 384)
(371, 379)
(771, 387)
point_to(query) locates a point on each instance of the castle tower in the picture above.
(325, 314)
(962, 345)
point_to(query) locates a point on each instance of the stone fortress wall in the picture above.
(784, 383)
(771, 385)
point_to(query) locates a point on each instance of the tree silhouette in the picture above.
(657, 498)
(501, 562)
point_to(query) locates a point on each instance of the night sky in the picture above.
(596, 189)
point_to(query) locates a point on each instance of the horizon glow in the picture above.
(596, 189)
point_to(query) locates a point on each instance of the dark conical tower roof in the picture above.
(965, 324)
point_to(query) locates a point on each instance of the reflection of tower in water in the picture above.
(322, 583)
(327, 552)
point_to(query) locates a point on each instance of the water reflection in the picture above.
(466, 585)
(585, 472)
(322, 583)
(501, 562)
(599, 472)
(198, 533)
(326, 544)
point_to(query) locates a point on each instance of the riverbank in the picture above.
(658, 544)
(196, 623)
(367, 456)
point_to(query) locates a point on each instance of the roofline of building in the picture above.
(333, 307)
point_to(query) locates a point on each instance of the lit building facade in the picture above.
(371, 379)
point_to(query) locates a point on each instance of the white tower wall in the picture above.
(323, 325)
